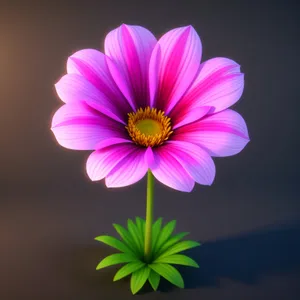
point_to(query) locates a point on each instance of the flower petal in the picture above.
(153, 74)
(196, 161)
(170, 172)
(78, 126)
(92, 65)
(76, 88)
(129, 170)
(101, 162)
(149, 158)
(112, 141)
(180, 57)
(191, 116)
(221, 134)
(130, 47)
(219, 84)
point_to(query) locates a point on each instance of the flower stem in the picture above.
(149, 215)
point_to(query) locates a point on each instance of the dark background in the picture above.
(50, 212)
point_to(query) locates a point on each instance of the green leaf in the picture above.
(128, 269)
(172, 240)
(181, 246)
(139, 278)
(133, 230)
(164, 235)
(125, 235)
(155, 232)
(169, 273)
(113, 242)
(144, 228)
(139, 224)
(178, 259)
(154, 279)
(114, 259)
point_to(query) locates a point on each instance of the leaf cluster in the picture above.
(165, 249)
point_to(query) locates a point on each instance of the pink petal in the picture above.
(129, 170)
(101, 162)
(149, 158)
(153, 73)
(121, 81)
(77, 126)
(194, 160)
(180, 57)
(219, 84)
(92, 65)
(170, 172)
(221, 134)
(130, 47)
(112, 141)
(191, 116)
(76, 88)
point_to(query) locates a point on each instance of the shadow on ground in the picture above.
(271, 251)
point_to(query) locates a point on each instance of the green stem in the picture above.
(149, 215)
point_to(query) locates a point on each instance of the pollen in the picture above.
(149, 127)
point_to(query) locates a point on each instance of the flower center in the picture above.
(149, 127)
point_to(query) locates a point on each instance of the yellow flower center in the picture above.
(149, 127)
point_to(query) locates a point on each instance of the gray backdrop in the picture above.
(50, 212)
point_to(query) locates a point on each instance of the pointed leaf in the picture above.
(177, 259)
(133, 230)
(126, 236)
(128, 269)
(164, 235)
(139, 224)
(173, 240)
(113, 242)
(114, 259)
(181, 246)
(154, 279)
(169, 273)
(156, 227)
(139, 278)
(144, 228)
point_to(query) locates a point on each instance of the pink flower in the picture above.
(148, 104)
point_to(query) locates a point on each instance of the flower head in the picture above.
(150, 104)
